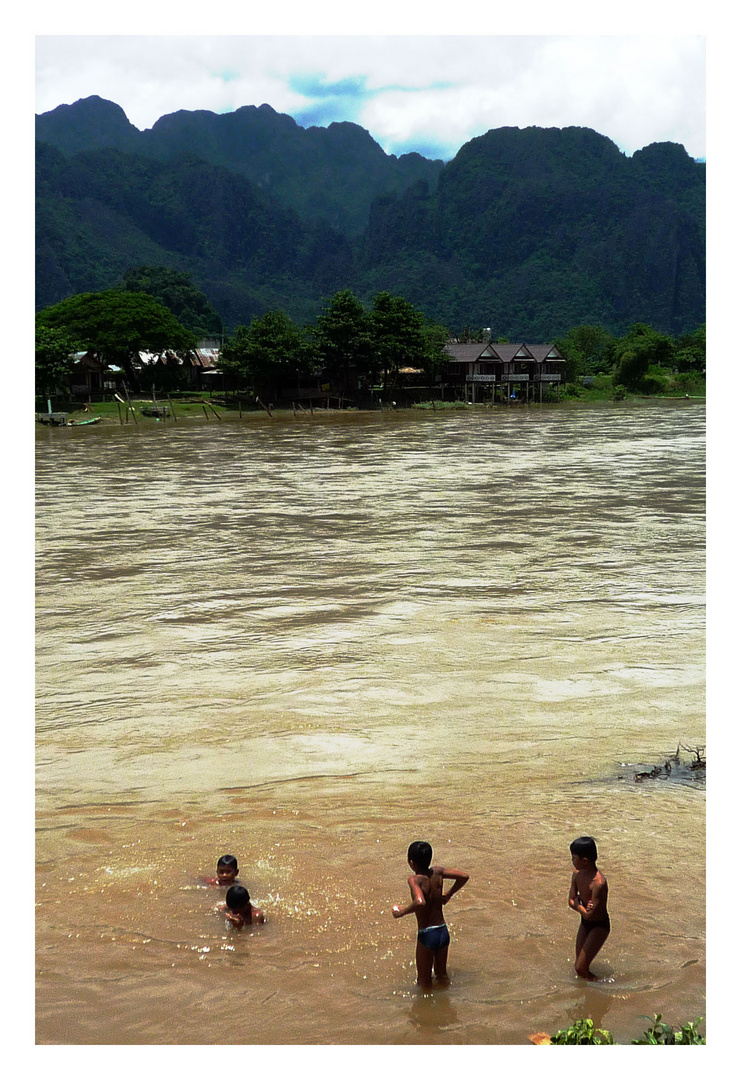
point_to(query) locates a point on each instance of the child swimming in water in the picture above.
(428, 899)
(226, 872)
(588, 897)
(238, 908)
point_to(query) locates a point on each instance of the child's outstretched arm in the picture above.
(458, 878)
(418, 900)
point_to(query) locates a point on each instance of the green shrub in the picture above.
(689, 383)
(582, 1032)
(650, 384)
(661, 1034)
(618, 393)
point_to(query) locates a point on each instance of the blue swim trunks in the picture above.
(434, 937)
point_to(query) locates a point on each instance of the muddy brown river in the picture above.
(309, 641)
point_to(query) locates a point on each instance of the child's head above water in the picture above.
(584, 847)
(226, 869)
(420, 853)
(237, 898)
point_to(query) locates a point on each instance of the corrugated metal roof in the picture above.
(207, 358)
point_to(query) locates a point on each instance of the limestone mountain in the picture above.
(329, 174)
(529, 231)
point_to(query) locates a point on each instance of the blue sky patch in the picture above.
(316, 86)
(324, 113)
(428, 149)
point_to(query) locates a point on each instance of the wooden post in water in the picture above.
(172, 407)
(128, 399)
(120, 419)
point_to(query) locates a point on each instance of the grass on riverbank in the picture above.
(657, 384)
(602, 390)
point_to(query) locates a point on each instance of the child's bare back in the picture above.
(427, 902)
(431, 887)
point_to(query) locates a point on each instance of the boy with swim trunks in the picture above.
(238, 908)
(428, 899)
(588, 897)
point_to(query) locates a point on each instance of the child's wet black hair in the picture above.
(229, 862)
(420, 853)
(237, 898)
(584, 847)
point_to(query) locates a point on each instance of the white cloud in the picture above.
(418, 90)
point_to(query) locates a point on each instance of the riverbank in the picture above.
(212, 410)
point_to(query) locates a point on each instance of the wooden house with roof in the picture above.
(500, 371)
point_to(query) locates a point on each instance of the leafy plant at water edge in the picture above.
(661, 1034)
(582, 1032)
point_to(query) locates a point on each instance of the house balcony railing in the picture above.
(514, 376)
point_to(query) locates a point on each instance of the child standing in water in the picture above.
(588, 897)
(428, 899)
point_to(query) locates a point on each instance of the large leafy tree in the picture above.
(269, 353)
(399, 338)
(176, 291)
(117, 326)
(343, 336)
(587, 350)
(436, 337)
(638, 350)
(690, 354)
(55, 351)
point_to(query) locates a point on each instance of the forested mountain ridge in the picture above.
(329, 174)
(529, 231)
(550, 227)
(103, 211)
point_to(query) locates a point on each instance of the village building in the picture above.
(91, 379)
(501, 372)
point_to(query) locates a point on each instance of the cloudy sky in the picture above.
(430, 93)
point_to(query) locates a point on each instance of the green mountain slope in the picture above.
(325, 174)
(527, 231)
